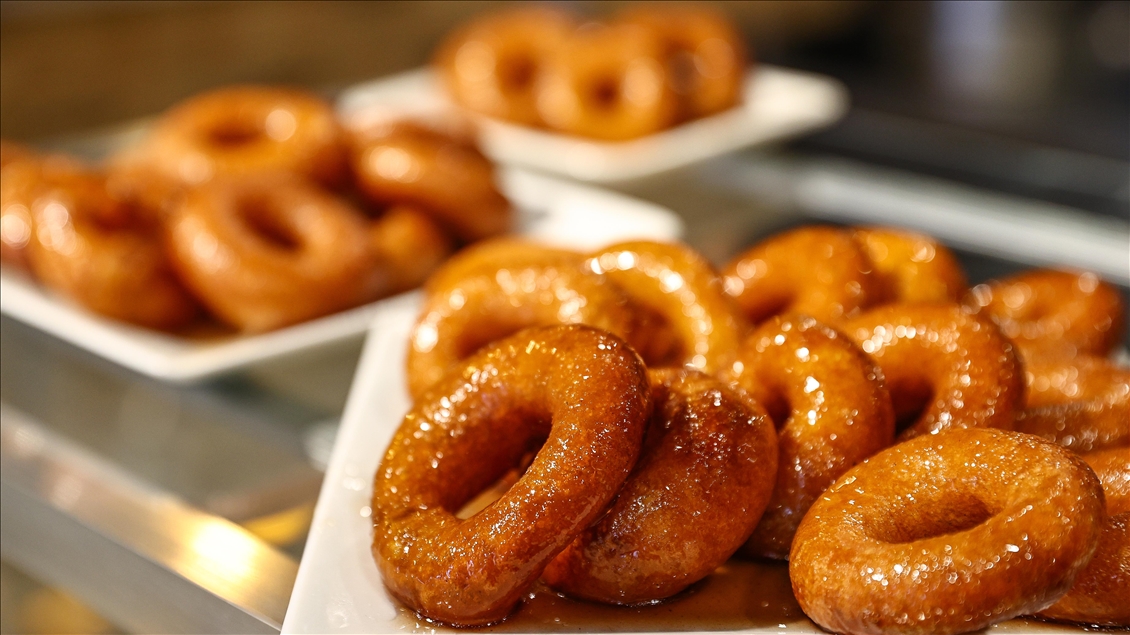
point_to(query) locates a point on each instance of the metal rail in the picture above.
(139, 556)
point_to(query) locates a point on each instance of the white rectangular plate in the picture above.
(779, 103)
(550, 210)
(339, 590)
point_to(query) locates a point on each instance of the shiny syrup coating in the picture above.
(832, 410)
(458, 318)
(242, 130)
(492, 65)
(947, 533)
(679, 285)
(608, 82)
(86, 245)
(1112, 466)
(445, 176)
(706, 57)
(817, 271)
(1081, 403)
(490, 255)
(912, 268)
(1053, 313)
(268, 250)
(1100, 590)
(704, 477)
(957, 369)
(582, 392)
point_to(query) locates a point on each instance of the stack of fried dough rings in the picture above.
(929, 458)
(252, 205)
(646, 69)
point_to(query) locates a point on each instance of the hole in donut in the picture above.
(231, 133)
(498, 489)
(266, 222)
(907, 521)
(604, 93)
(910, 396)
(517, 73)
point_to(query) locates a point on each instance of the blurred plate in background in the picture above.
(779, 103)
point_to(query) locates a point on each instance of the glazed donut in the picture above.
(491, 255)
(581, 391)
(707, 469)
(1083, 404)
(22, 178)
(947, 534)
(609, 83)
(492, 65)
(944, 368)
(410, 245)
(411, 164)
(832, 412)
(1053, 313)
(1100, 591)
(243, 130)
(458, 319)
(268, 251)
(817, 271)
(82, 244)
(682, 288)
(706, 57)
(912, 268)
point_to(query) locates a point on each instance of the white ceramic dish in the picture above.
(779, 103)
(339, 590)
(551, 210)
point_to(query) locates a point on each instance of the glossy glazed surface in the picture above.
(912, 268)
(1113, 469)
(409, 245)
(1083, 403)
(817, 271)
(267, 251)
(1100, 591)
(582, 392)
(944, 368)
(707, 468)
(444, 176)
(947, 534)
(244, 130)
(1053, 313)
(832, 412)
(680, 286)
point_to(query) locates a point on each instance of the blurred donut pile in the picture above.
(252, 205)
(644, 70)
(929, 458)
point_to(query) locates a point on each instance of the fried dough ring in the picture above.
(1100, 591)
(242, 130)
(683, 288)
(832, 412)
(912, 268)
(583, 392)
(947, 534)
(268, 251)
(707, 469)
(706, 57)
(958, 365)
(1082, 404)
(459, 318)
(410, 245)
(608, 82)
(1053, 313)
(83, 244)
(492, 65)
(817, 271)
(409, 163)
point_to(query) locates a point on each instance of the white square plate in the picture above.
(550, 209)
(779, 103)
(339, 590)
